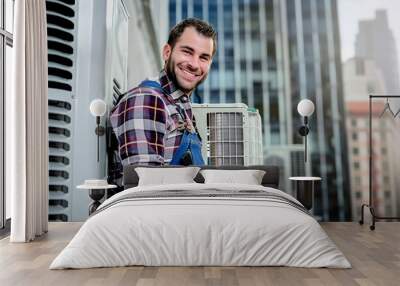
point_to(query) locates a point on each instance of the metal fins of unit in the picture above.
(61, 32)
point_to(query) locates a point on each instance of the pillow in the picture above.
(248, 177)
(166, 176)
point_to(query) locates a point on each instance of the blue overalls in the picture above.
(189, 150)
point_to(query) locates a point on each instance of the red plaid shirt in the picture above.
(146, 121)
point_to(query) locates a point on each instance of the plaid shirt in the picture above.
(146, 121)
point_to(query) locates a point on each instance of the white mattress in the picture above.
(200, 231)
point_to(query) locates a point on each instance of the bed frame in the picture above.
(270, 179)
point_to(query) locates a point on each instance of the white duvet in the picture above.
(200, 231)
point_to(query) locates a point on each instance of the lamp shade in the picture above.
(305, 107)
(98, 107)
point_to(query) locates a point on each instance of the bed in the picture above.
(201, 224)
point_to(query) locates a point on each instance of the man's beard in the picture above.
(172, 77)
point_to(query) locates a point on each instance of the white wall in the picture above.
(142, 62)
(90, 84)
(160, 12)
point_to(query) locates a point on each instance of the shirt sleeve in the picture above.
(139, 123)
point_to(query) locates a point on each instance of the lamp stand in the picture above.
(305, 149)
(100, 131)
(303, 131)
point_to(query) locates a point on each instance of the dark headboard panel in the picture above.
(270, 179)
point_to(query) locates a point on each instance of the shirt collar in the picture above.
(169, 87)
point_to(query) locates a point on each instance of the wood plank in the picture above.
(374, 255)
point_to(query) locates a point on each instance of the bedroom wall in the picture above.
(90, 74)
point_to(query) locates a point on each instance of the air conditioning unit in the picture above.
(226, 135)
(61, 31)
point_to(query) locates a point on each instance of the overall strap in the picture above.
(153, 84)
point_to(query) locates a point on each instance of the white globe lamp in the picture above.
(98, 108)
(305, 108)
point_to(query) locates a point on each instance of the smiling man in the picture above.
(152, 121)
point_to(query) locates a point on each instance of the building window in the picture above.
(355, 151)
(385, 166)
(354, 136)
(386, 180)
(354, 122)
(357, 181)
(387, 194)
(358, 195)
(356, 165)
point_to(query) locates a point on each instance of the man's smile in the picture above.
(189, 75)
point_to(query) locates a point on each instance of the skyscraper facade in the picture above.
(362, 77)
(270, 55)
(375, 41)
(385, 158)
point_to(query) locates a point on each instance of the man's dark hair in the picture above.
(201, 27)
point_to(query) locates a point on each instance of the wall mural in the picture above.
(244, 96)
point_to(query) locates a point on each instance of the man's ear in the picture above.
(166, 53)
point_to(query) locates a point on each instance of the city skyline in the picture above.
(271, 54)
(351, 12)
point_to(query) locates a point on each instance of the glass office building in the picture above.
(271, 54)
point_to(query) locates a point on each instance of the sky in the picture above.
(352, 11)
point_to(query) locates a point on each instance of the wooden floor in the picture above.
(374, 255)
